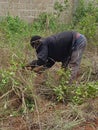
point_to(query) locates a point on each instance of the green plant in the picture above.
(50, 21)
(14, 26)
(83, 9)
(60, 92)
(13, 84)
(72, 93)
(60, 7)
(79, 12)
(5, 81)
(87, 26)
(45, 21)
(85, 18)
(85, 91)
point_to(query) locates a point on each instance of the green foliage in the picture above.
(85, 18)
(14, 28)
(85, 91)
(83, 9)
(12, 82)
(45, 21)
(62, 90)
(72, 93)
(16, 33)
(87, 26)
(6, 81)
(75, 94)
(50, 21)
(60, 7)
(79, 12)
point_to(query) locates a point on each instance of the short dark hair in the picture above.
(34, 38)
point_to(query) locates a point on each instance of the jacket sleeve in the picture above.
(49, 63)
(35, 63)
(42, 54)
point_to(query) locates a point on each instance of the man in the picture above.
(66, 47)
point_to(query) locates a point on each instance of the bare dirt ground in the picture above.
(44, 118)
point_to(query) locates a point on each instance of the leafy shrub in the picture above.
(83, 9)
(5, 81)
(14, 27)
(45, 21)
(50, 21)
(87, 26)
(73, 93)
(60, 7)
(85, 91)
(85, 18)
(12, 86)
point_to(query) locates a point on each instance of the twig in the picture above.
(6, 94)
(37, 114)
(23, 101)
(89, 75)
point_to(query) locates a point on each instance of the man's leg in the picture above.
(76, 57)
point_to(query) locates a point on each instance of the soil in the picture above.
(40, 119)
(92, 125)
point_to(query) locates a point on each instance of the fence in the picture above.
(30, 9)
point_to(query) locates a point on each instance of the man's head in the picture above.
(35, 41)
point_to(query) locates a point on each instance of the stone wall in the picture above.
(29, 9)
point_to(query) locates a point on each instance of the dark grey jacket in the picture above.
(56, 47)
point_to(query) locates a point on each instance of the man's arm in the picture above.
(34, 63)
(50, 62)
(42, 54)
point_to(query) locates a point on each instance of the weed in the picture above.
(84, 17)
(73, 93)
(84, 26)
(12, 86)
(14, 26)
(46, 21)
(60, 7)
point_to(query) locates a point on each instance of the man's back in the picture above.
(59, 45)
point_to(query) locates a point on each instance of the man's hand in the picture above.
(31, 65)
(39, 69)
(27, 67)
